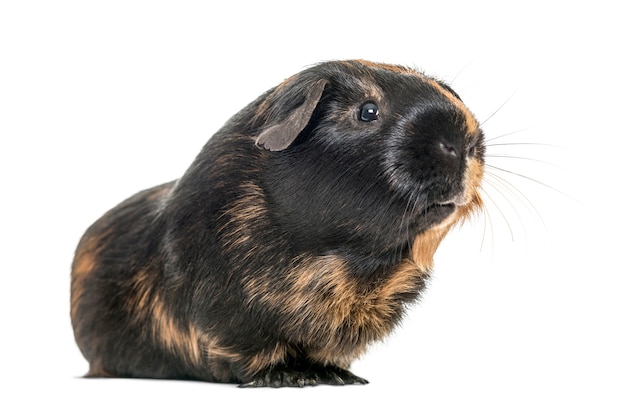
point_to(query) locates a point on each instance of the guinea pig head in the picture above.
(366, 157)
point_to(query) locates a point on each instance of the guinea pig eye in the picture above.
(368, 112)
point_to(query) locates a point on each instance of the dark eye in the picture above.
(369, 112)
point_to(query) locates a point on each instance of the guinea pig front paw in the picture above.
(283, 376)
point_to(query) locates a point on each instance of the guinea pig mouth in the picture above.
(444, 207)
(439, 211)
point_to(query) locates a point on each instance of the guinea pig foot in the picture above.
(288, 377)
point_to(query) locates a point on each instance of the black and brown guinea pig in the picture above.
(296, 238)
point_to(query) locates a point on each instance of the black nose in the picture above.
(449, 148)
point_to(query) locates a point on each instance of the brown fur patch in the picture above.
(238, 231)
(140, 288)
(474, 176)
(147, 308)
(85, 261)
(214, 350)
(181, 340)
(327, 306)
(426, 244)
(472, 200)
(145, 304)
(217, 354)
(470, 120)
(269, 358)
(363, 316)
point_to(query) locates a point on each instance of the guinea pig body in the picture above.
(295, 239)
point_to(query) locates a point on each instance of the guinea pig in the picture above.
(296, 238)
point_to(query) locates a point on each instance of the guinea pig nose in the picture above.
(448, 148)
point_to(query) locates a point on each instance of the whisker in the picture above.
(501, 106)
(502, 214)
(514, 191)
(506, 135)
(482, 240)
(511, 189)
(501, 190)
(492, 232)
(487, 219)
(531, 179)
(470, 63)
(542, 144)
(515, 157)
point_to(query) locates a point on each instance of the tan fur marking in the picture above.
(337, 357)
(145, 304)
(474, 176)
(470, 120)
(426, 244)
(85, 259)
(84, 263)
(263, 360)
(249, 208)
(141, 287)
(215, 352)
(472, 200)
(179, 340)
(360, 311)
(323, 297)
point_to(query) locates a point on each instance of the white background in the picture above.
(525, 311)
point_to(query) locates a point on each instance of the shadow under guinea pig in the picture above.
(293, 241)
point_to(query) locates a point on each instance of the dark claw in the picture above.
(314, 375)
(337, 376)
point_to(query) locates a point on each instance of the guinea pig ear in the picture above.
(280, 136)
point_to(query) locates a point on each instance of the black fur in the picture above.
(251, 267)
